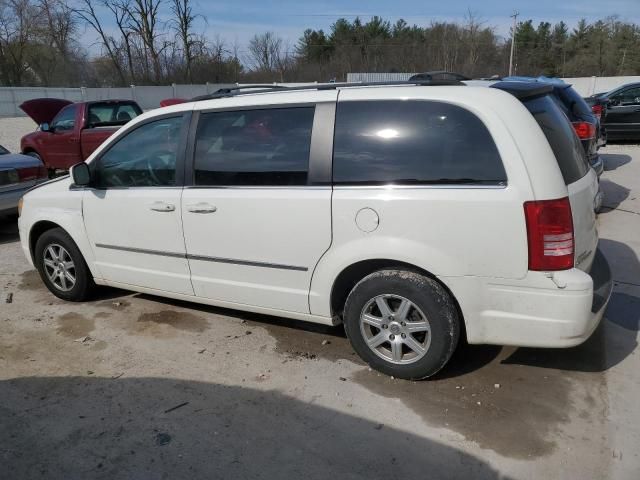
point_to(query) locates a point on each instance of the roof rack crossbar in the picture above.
(266, 88)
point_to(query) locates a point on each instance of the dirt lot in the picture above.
(135, 386)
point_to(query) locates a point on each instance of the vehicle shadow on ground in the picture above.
(306, 337)
(86, 427)
(615, 338)
(612, 161)
(614, 194)
(8, 229)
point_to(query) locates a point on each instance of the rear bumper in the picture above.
(542, 310)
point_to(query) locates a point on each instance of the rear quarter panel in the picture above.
(449, 231)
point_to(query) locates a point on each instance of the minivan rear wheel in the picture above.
(402, 323)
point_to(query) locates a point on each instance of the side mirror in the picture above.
(81, 174)
(45, 127)
(614, 102)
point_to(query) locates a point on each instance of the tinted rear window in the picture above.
(413, 142)
(574, 102)
(112, 113)
(561, 137)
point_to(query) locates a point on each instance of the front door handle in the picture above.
(201, 207)
(162, 207)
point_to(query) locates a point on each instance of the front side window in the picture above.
(630, 96)
(412, 142)
(144, 157)
(267, 147)
(66, 119)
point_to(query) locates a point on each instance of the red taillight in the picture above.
(585, 130)
(597, 110)
(42, 172)
(550, 234)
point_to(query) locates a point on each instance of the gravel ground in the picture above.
(12, 129)
(135, 386)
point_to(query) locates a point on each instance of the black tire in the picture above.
(429, 298)
(34, 155)
(84, 285)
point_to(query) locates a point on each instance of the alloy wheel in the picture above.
(395, 329)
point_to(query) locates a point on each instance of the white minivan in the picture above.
(411, 213)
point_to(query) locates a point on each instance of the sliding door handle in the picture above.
(162, 207)
(201, 207)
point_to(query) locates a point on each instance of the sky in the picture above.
(236, 22)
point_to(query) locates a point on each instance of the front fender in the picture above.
(56, 204)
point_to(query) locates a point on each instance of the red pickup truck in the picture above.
(69, 132)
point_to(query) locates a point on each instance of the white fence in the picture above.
(585, 86)
(147, 97)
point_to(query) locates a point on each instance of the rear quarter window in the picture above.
(574, 103)
(412, 142)
(564, 142)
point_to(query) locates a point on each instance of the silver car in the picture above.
(18, 173)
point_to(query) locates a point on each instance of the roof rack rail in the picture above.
(262, 88)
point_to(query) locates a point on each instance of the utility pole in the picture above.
(513, 40)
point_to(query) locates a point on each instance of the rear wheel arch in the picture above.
(347, 279)
(31, 151)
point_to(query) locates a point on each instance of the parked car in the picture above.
(412, 214)
(584, 120)
(69, 132)
(620, 110)
(18, 173)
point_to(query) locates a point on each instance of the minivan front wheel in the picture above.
(402, 323)
(62, 267)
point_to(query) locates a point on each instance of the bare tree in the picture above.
(87, 12)
(263, 51)
(183, 24)
(144, 17)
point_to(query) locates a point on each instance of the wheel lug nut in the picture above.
(384, 325)
(403, 336)
(391, 337)
(403, 324)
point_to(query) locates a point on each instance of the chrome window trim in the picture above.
(205, 258)
(258, 187)
(451, 186)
